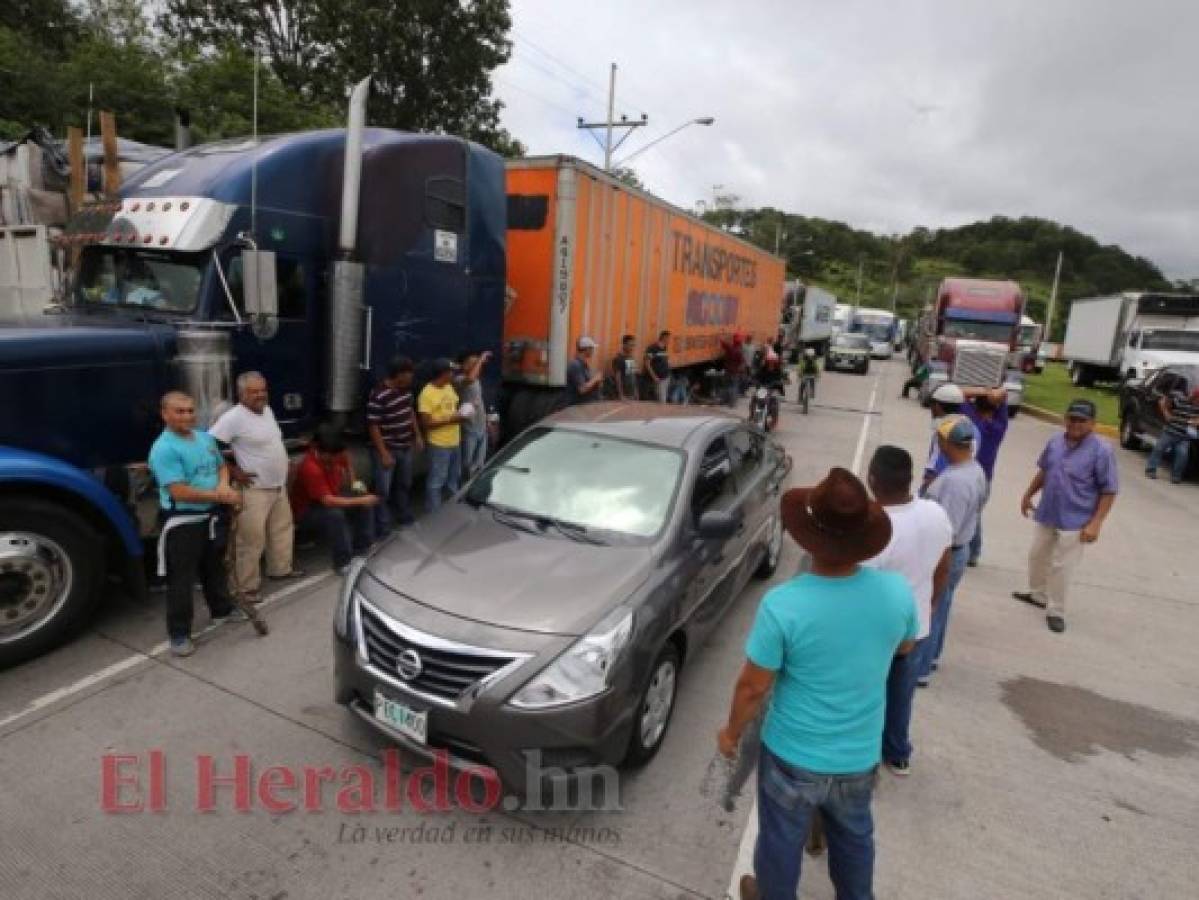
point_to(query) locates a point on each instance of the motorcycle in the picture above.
(764, 405)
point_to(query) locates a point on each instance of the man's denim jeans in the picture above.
(474, 451)
(1182, 455)
(788, 797)
(445, 467)
(394, 487)
(940, 624)
(901, 688)
(348, 530)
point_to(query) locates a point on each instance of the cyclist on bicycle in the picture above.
(809, 371)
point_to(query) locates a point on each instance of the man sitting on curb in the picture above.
(326, 496)
(823, 642)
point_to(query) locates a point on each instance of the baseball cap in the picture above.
(949, 393)
(586, 343)
(440, 366)
(1080, 409)
(956, 430)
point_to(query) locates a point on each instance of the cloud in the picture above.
(887, 116)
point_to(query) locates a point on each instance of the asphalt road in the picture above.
(1046, 765)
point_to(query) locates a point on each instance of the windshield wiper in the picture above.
(570, 530)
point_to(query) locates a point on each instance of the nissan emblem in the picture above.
(409, 665)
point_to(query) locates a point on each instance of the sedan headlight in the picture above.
(584, 670)
(341, 615)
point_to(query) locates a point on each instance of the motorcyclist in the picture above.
(770, 375)
(809, 369)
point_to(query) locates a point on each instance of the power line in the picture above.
(536, 96)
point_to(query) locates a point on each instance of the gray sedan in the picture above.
(538, 623)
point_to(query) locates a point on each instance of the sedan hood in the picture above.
(462, 562)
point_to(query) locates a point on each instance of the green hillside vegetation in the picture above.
(827, 253)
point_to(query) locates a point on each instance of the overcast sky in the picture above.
(888, 115)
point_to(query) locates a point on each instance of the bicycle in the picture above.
(807, 390)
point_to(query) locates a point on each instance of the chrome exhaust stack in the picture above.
(347, 312)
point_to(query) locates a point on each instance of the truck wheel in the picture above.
(1013, 411)
(1128, 431)
(50, 562)
(1080, 376)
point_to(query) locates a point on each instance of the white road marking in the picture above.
(745, 851)
(116, 668)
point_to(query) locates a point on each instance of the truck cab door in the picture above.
(287, 351)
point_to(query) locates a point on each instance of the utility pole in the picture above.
(610, 123)
(858, 302)
(778, 236)
(1057, 274)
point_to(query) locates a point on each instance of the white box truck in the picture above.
(1130, 335)
(807, 317)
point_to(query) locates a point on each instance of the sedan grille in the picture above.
(978, 367)
(443, 672)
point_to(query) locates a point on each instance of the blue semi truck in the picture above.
(312, 258)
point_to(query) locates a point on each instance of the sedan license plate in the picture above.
(407, 721)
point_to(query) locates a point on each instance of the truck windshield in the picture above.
(995, 332)
(876, 331)
(145, 279)
(1028, 336)
(1184, 341)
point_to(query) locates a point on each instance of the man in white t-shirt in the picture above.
(921, 534)
(264, 524)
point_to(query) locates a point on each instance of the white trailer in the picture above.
(1130, 335)
(807, 317)
(28, 278)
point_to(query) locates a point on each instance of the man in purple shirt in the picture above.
(987, 411)
(1078, 481)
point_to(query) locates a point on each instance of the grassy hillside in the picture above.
(910, 266)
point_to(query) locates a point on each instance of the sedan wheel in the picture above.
(655, 709)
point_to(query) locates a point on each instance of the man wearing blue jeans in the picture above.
(921, 535)
(1181, 415)
(441, 423)
(391, 423)
(820, 649)
(961, 490)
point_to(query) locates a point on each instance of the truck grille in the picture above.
(978, 367)
(444, 673)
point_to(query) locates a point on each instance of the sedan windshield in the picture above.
(994, 332)
(567, 476)
(147, 279)
(852, 341)
(1185, 341)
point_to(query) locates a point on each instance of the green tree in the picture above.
(430, 61)
(627, 175)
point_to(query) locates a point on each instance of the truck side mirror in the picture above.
(261, 291)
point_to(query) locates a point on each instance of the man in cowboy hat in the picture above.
(820, 648)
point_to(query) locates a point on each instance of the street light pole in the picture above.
(703, 120)
(1057, 274)
(611, 113)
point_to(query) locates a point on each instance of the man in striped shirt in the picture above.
(394, 436)
(1181, 415)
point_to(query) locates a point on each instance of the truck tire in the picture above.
(1013, 411)
(1081, 375)
(1128, 431)
(50, 566)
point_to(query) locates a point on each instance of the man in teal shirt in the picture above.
(193, 484)
(823, 643)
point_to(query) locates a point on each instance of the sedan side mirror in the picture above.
(716, 524)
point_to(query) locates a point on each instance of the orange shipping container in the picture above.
(588, 255)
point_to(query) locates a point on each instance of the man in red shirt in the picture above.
(326, 496)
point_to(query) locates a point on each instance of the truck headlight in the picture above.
(584, 670)
(341, 615)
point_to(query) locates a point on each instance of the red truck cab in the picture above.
(972, 334)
